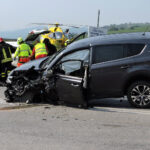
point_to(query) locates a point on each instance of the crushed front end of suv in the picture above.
(109, 66)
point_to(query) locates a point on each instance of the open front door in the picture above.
(69, 81)
(70, 89)
(71, 77)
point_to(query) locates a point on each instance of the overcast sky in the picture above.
(16, 14)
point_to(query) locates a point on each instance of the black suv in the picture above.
(93, 68)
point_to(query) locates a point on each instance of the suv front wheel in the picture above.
(139, 94)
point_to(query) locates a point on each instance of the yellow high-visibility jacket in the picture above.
(23, 50)
(40, 49)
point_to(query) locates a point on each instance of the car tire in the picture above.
(139, 94)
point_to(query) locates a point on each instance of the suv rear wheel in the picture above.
(139, 94)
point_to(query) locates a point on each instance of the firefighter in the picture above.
(5, 59)
(23, 52)
(39, 51)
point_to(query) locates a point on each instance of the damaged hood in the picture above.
(35, 63)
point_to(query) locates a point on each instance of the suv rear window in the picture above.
(114, 52)
(133, 49)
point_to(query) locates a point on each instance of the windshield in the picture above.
(56, 35)
(47, 61)
(50, 58)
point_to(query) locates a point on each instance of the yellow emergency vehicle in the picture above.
(56, 36)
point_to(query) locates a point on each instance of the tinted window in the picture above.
(133, 49)
(107, 53)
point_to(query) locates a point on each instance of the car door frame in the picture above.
(73, 78)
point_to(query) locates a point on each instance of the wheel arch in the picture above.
(134, 78)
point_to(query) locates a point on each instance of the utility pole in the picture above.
(98, 19)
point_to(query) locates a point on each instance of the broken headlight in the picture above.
(9, 79)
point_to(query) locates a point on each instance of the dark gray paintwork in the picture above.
(108, 79)
(113, 39)
(28, 65)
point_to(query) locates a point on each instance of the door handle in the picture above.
(125, 67)
(74, 84)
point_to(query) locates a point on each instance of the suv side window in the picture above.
(107, 53)
(133, 49)
(113, 52)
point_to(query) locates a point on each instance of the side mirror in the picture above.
(58, 69)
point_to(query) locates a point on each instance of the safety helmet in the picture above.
(19, 40)
(1, 39)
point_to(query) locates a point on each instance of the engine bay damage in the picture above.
(29, 86)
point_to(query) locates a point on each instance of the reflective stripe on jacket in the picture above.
(40, 49)
(6, 54)
(23, 50)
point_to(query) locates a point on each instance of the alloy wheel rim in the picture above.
(140, 95)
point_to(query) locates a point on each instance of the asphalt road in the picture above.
(109, 126)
